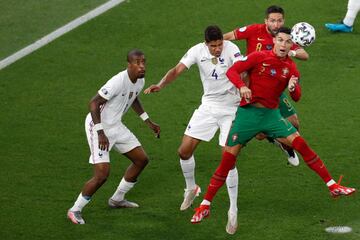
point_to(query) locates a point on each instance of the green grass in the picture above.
(23, 22)
(44, 152)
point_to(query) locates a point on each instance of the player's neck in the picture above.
(133, 78)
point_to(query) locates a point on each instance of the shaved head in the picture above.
(134, 53)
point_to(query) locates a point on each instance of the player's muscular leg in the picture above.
(294, 120)
(234, 150)
(139, 161)
(101, 173)
(289, 139)
(187, 147)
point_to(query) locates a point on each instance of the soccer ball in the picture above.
(303, 34)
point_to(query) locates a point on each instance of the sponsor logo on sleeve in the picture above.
(243, 29)
(238, 54)
(104, 91)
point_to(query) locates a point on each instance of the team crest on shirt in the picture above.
(243, 29)
(234, 137)
(214, 61)
(285, 71)
(222, 60)
(104, 91)
(269, 47)
(273, 72)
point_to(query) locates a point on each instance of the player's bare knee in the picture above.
(144, 161)
(184, 155)
(141, 161)
(294, 120)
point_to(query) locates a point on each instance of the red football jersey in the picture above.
(269, 76)
(257, 38)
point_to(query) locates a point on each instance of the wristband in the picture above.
(144, 116)
(98, 127)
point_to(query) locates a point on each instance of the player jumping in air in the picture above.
(270, 73)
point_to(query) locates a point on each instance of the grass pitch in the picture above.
(44, 150)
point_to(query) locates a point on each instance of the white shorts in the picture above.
(206, 120)
(119, 137)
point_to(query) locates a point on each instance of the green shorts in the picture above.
(251, 120)
(285, 106)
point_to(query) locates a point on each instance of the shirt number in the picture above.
(214, 74)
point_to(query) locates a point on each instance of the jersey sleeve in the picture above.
(111, 88)
(234, 52)
(190, 57)
(244, 32)
(244, 64)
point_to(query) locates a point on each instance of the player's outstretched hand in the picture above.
(151, 89)
(292, 83)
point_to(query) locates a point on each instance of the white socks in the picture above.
(122, 189)
(79, 203)
(232, 182)
(188, 169)
(205, 202)
(331, 182)
(353, 9)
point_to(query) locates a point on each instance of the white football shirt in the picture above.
(120, 93)
(218, 90)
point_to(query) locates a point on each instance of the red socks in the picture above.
(311, 158)
(218, 179)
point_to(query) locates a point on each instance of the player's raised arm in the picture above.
(229, 36)
(170, 76)
(299, 53)
(138, 108)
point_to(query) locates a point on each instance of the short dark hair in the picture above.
(134, 52)
(274, 9)
(213, 33)
(284, 30)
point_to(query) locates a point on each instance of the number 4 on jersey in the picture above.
(214, 74)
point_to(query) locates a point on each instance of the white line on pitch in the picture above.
(58, 32)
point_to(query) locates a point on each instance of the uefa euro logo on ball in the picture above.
(303, 34)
